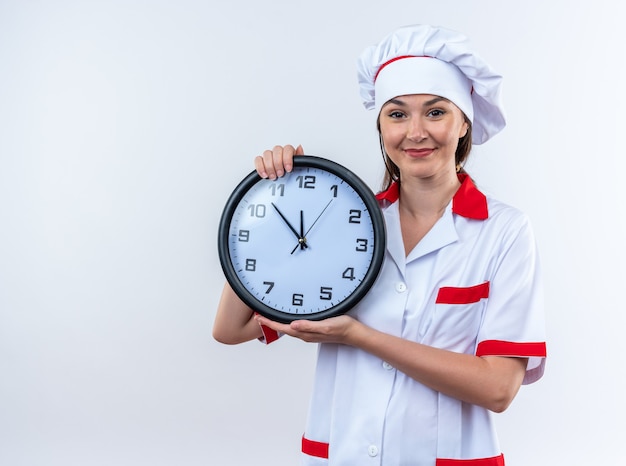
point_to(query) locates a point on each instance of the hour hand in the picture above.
(290, 226)
(301, 237)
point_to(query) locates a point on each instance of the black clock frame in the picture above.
(359, 292)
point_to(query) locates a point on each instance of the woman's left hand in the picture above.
(331, 330)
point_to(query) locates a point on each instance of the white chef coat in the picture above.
(471, 285)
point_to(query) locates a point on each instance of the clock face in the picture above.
(308, 245)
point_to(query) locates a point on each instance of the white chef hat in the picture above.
(422, 59)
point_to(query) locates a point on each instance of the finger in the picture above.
(286, 159)
(259, 166)
(277, 326)
(306, 326)
(274, 163)
(269, 165)
(310, 335)
(289, 329)
(288, 156)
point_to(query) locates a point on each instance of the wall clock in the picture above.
(308, 245)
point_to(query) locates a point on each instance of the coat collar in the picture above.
(468, 201)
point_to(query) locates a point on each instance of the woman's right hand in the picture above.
(276, 162)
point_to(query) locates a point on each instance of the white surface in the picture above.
(125, 124)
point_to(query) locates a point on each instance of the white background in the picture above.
(124, 125)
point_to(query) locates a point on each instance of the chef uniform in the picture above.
(472, 285)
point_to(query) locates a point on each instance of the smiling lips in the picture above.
(418, 153)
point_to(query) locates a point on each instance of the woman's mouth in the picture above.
(417, 153)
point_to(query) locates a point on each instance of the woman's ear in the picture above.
(464, 129)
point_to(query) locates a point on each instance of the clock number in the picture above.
(297, 299)
(257, 210)
(362, 245)
(334, 188)
(278, 188)
(306, 182)
(326, 293)
(244, 236)
(270, 285)
(355, 216)
(349, 273)
(251, 265)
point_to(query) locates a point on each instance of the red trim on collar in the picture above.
(391, 194)
(468, 201)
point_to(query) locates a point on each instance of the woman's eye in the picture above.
(436, 112)
(396, 114)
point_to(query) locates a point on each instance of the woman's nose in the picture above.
(415, 130)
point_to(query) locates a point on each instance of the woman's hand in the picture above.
(332, 330)
(276, 162)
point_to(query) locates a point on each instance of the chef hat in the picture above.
(422, 59)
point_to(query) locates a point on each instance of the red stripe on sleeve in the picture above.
(313, 448)
(269, 335)
(508, 348)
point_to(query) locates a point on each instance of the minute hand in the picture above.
(318, 217)
(289, 225)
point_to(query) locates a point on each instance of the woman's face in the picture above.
(420, 133)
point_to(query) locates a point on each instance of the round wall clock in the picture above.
(308, 245)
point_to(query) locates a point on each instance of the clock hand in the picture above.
(318, 217)
(302, 241)
(300, 238)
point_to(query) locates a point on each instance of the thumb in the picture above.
(299, 150)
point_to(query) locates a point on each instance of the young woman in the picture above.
(454, 323)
